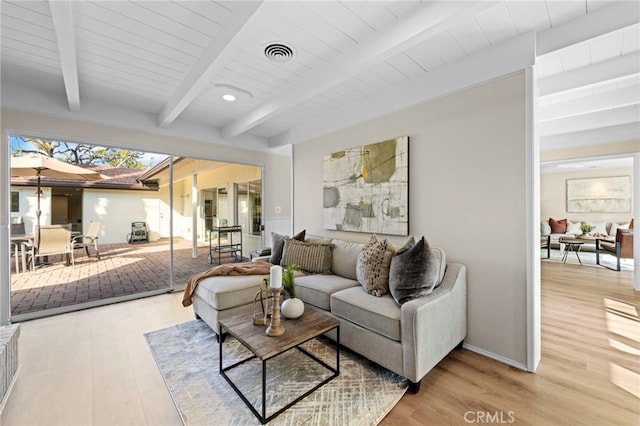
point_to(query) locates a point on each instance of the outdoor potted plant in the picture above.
(291, 307)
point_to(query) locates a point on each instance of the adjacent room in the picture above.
(339, 212)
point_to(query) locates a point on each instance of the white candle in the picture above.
(275, 280)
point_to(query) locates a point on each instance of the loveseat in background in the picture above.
(573, 230)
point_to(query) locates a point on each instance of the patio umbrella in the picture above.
(40, 165)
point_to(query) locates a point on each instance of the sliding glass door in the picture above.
(141, 229)
(119, 244)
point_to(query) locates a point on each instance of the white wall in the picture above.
(29, 205)
(467, 195)
(116, 210)
(553, 196)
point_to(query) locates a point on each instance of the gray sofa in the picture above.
(408, 340)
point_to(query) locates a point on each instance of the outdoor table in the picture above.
(17, 240)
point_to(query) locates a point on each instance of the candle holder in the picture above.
(275, 327)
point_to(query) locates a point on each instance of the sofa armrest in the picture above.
(261, 258)
(435, 324)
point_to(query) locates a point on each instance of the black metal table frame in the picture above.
(263, 417)
(571, 246)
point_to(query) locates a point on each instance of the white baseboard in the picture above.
(499, 358)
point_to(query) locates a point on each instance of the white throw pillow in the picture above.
(616, 226)
(574, 228)
(545, 228)
(600, 228)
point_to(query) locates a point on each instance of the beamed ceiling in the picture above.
(166, 64)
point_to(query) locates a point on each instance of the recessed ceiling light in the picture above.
(230, 93)
(278, 52)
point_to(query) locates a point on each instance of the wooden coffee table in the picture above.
(313, 323)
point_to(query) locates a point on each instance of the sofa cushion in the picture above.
(344, 257)
(369, 267)
(317, 289)
(386, 264)
(378, 314)
(415, 271)
(558, 226)
(229, 291)
(311, 238)
(277, 245)
(310, 257)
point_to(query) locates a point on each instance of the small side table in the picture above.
(571, 245)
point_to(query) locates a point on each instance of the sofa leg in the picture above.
(197, 316)
(221, 338)
(459, 346)
(414, 387)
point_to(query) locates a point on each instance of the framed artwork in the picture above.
(599, 195)
(366, 189)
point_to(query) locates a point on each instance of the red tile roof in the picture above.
(114, 178)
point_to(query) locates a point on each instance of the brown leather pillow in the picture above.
(558, 226)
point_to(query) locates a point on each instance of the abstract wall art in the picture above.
(366, 189)
(599, 195)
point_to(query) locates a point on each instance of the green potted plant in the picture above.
(291, 307)
(586, 228)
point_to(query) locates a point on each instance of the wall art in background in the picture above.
(599, 195)
(366, 189)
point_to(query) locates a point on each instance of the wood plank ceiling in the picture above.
(175, 59)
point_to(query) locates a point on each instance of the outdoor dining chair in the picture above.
(89, 239)
(50, 240)
(17, 229)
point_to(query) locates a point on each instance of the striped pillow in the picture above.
(310, 257)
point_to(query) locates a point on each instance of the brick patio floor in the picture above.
(123, 269)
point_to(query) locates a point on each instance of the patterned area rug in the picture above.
(187, 356)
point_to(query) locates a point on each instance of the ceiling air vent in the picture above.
(278, 52)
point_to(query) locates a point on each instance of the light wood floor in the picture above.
(589, 373)
(94, 368)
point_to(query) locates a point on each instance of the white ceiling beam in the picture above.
(603, 21)
(407, 32)
(602, 135)
(622, 66)
(484, 65)
(617, 98)
(62, 17)
(246, 19)
(594, 120)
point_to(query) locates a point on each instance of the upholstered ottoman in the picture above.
(223, 296)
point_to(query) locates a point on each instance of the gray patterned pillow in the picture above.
(414, 272)
(277, 245)
(369, 269)
(310, 257)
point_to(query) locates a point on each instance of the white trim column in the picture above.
(194, 215)
(532, 170)
(5, 275)
(636, 215)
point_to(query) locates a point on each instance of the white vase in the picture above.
(292, 308)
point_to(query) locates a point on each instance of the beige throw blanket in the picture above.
(227, 269)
